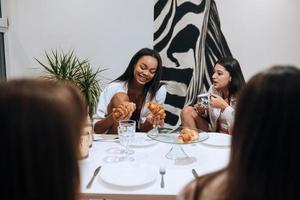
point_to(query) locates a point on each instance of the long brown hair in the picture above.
(40, 130)
(265, 143)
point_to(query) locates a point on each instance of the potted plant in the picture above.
(68, 67)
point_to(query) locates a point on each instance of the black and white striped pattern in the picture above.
(189, 38)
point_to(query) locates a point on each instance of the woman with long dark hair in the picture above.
(265, 143)
(139, 84)
(218, 116)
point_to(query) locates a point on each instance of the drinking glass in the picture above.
(126, 130)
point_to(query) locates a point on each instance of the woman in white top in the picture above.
(218, 116)
(140, 83)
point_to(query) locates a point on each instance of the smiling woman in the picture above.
(145, 69)
(139, 84)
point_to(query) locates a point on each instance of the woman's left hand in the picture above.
(218, 102)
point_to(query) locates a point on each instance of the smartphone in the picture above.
(204, 98)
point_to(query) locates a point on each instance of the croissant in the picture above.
(184, 138)
(123, 110)
(117, 114)
(157, 110)
(187, 135)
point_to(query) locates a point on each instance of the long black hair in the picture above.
(237, 79)
(154, 84)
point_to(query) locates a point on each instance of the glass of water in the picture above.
(126, 131)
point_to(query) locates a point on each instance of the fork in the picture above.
(162, 172)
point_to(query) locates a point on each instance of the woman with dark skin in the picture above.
(40, 129)
(218, 116)
(139, 84)
(265, 143)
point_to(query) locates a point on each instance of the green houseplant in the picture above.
(68, 67)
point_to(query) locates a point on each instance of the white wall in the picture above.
(261, 33)
(108, 32)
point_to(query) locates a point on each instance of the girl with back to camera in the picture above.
(139, 84)
(218, 116)
(265, 143)
(41, 123)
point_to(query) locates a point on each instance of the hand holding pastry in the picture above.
(157, 110)
(123, 111)
(157, 115)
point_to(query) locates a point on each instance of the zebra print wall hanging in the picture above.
(189, 39)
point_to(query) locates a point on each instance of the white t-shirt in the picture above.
(121, 86)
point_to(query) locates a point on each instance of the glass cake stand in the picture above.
(170, 136)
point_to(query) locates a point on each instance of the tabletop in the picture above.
(108, 153)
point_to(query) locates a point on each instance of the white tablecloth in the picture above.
(178, 172)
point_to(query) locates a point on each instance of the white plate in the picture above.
(172, 138)
(128, 174)
(97, 137)
(218, 139)
(141, 140)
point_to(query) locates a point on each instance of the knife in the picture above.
(93, 177)
(106, 140)
(195, 173)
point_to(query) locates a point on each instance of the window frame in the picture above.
(3, 29)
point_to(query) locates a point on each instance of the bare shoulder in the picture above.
(188, 192)
(210, 191)
(215, 188)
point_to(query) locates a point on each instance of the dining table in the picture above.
(139, 177)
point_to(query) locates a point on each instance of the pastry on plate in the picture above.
(187, 135)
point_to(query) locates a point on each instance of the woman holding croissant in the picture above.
(127, 97)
